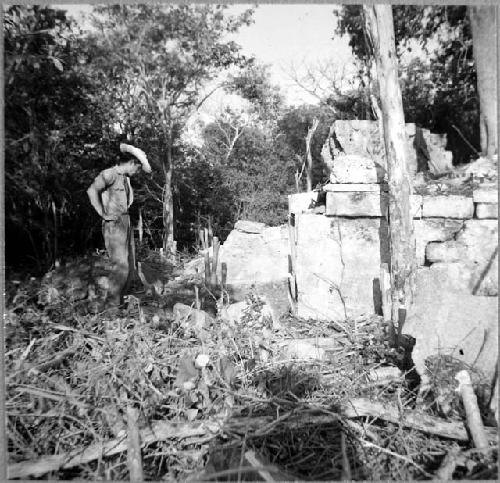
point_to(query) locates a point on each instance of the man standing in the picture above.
(111, 195)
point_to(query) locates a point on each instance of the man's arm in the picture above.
(94, 193)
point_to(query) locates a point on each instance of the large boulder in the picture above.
(446, 319)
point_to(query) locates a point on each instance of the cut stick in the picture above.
(346, 467)
(385, 290)
(494, 401)
(469, 400)
(134, 458)
(197, 298)
(216, 253)
(207, 268)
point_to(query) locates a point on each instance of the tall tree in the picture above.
(484, 37)
(402, 239)
(439, 86)
(154, 61)
(49, 120)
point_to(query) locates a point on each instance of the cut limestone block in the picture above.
(257, 262)
(356, 169)
(447, 206)
(445, 320)
(318, 268)
(301, 202)
(355, 204)
(485, 195)
(338, 265)
(429, 229)
(486, 211)
(481, 240)
(375, 187)
(363, 138)
(365, 203)
(246, 226)
(450, 251)
(475, 246)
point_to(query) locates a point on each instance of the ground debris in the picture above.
(222, 401)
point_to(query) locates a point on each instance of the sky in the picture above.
(282, 36)
(285, 35)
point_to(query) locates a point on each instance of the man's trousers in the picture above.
(119, 242)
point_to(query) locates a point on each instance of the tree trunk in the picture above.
(168, 201)
(484, 27)
(402, 238)
(168, 208)
(309, 160)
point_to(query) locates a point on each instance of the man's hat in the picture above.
(138, 153)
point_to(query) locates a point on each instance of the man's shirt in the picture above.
(115, 190)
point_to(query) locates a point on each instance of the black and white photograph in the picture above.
(250, 242)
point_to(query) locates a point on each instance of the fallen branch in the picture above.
(163, 431)
(54, 361)
(159, 431)
(411, 419)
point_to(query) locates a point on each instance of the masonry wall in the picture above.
(338, 248)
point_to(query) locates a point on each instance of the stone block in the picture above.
(429, 229)
(301, 202)
(486, 211)
(424, 150)
(355, 204)
(476, 247)
(447, 206)
(365, 204)
(257, 262)
(485, 194)
(450, 251)
(374, 187)
(246, 226)
(338, 266)
(480, 238)
(352, 168)
(318, 268)
(447, 320)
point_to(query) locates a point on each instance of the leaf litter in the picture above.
(220, 402)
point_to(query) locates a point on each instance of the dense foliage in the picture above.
(141, 73)
(51, 116)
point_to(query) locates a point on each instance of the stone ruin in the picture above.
(331, 253)
(355, 150)
(326, 263)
